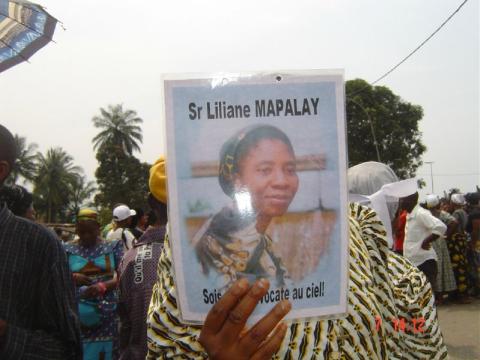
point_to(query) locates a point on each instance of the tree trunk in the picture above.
(49, 212)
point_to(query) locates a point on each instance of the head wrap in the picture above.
(432, 201)
(158, 180)
(87, 214)
(368, 177)
(458, 199)
(230, 152)
(376, 185)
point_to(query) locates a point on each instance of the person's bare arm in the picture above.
(81, 279)
(427, 243)
(113, 283)
(451, 227)
(100, 288)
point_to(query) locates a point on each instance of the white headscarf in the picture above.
(376, 185)
(432, 200)
(458, 199)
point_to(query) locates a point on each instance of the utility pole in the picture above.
(431, 173)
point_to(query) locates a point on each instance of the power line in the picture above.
(416, 49)
(468, 174)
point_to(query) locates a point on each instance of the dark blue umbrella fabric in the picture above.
(25, 28)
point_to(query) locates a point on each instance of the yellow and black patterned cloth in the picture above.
(391, 313)
(229, 245)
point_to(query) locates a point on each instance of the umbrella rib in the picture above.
(33, 9)
(40, 12)
(18, 53)
(26, 26)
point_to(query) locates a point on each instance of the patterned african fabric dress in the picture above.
(457, 247)
(473, 252)
(391, 313)
(446, 279)
(98, 316)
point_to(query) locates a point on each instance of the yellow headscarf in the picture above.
(87, 214)
(158, 180)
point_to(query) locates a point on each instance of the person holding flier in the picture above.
(385, 292)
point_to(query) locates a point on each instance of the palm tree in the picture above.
(52, 185)
(26, 164)
(119, 128)
(81, 190)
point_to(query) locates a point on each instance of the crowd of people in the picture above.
(81, 297)
(109, 292)
(449, 257)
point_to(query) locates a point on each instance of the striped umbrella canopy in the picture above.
(25, 28)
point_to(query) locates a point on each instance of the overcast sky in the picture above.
(115, 52)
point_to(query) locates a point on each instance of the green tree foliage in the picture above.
(394, 122)
(53, 183)
(60, 188)
(121, 178)
(81, 191)
(26, 164)
(421, 183)
(119, 128)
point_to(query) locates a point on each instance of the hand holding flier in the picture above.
(224, 335)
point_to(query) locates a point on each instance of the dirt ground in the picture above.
(460, 326)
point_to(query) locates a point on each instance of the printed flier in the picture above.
(256, 167)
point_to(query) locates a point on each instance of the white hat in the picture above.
(458, 199)
(122, 212)
(432, 200)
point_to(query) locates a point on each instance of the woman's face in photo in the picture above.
(268, 173)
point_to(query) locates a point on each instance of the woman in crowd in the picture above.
(383, 288)
(457, 207)
(446, 281)
(257, 171)
(457, 246)
(94, 263)
(473, 251)
(139, 223)
(18, 200)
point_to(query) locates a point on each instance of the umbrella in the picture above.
(25, 28)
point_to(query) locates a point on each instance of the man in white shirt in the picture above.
(122, 216)
(421, 230)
